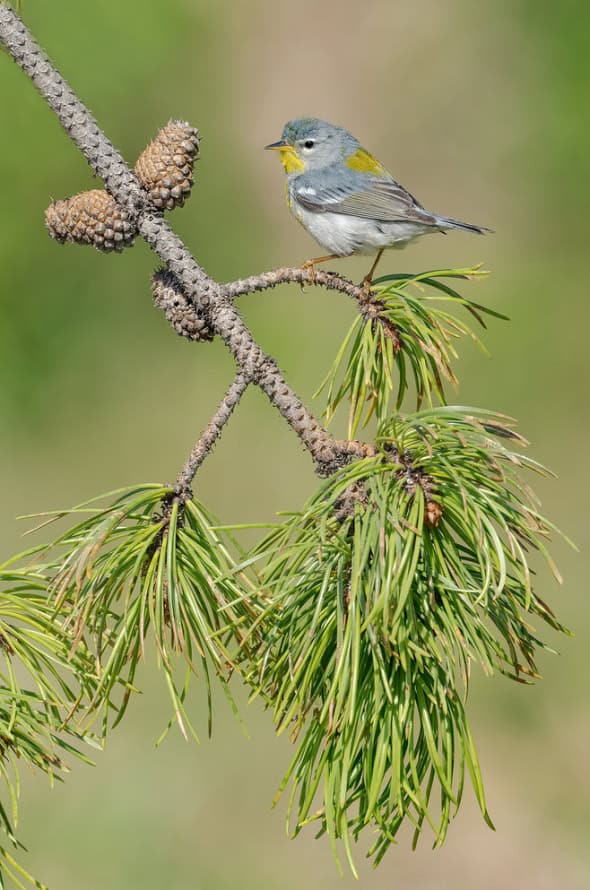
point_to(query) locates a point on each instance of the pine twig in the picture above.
(212, 431)
(300, 275)
(188, 322)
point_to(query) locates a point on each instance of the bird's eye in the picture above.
(309, 143)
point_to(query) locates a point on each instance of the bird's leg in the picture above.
(368, 279)
(310, 265)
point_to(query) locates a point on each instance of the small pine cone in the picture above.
(182, 315)
(165, 167)
(92, 217)
(433, 513)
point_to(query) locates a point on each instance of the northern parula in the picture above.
(345, 197)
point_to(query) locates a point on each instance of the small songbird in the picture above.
(345, 197)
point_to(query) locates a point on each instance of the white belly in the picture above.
(342, 235)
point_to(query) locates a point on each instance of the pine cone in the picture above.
(90, 218)
(182, 315)
(165, 167)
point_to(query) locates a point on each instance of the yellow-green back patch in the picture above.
(364, 162)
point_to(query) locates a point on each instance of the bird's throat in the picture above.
(290, 161)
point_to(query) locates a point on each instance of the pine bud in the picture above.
(182, 315)
(92, 217)
(433, 513)
(165, 167)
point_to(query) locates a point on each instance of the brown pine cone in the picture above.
(182, 315)
(90, 218)
(165, 167)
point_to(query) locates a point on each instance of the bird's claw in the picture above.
(366, 286)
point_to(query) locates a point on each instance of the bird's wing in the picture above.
(361, 195)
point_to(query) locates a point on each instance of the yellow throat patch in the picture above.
(364, 162)
(290, 161)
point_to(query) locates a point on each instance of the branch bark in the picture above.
(210, 298)
(266, 280)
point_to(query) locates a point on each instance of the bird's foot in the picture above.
(366, 286)
(367, 281)
(309, 267)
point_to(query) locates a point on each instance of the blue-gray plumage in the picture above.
(345, 198)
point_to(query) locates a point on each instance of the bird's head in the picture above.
(311, 144)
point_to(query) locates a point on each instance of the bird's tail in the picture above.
(446, 222)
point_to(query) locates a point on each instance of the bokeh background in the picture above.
(483, 111)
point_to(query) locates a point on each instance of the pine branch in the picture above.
(266, 280)
(208, 296)
(211, 432)
(189, 322)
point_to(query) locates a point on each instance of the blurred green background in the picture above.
(483, 111)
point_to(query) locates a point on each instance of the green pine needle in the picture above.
(400, 572)
(404, 337)
(148, 563)
(35, 651)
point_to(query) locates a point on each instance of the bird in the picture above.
(346, 199)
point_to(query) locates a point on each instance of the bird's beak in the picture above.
(281, 145)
